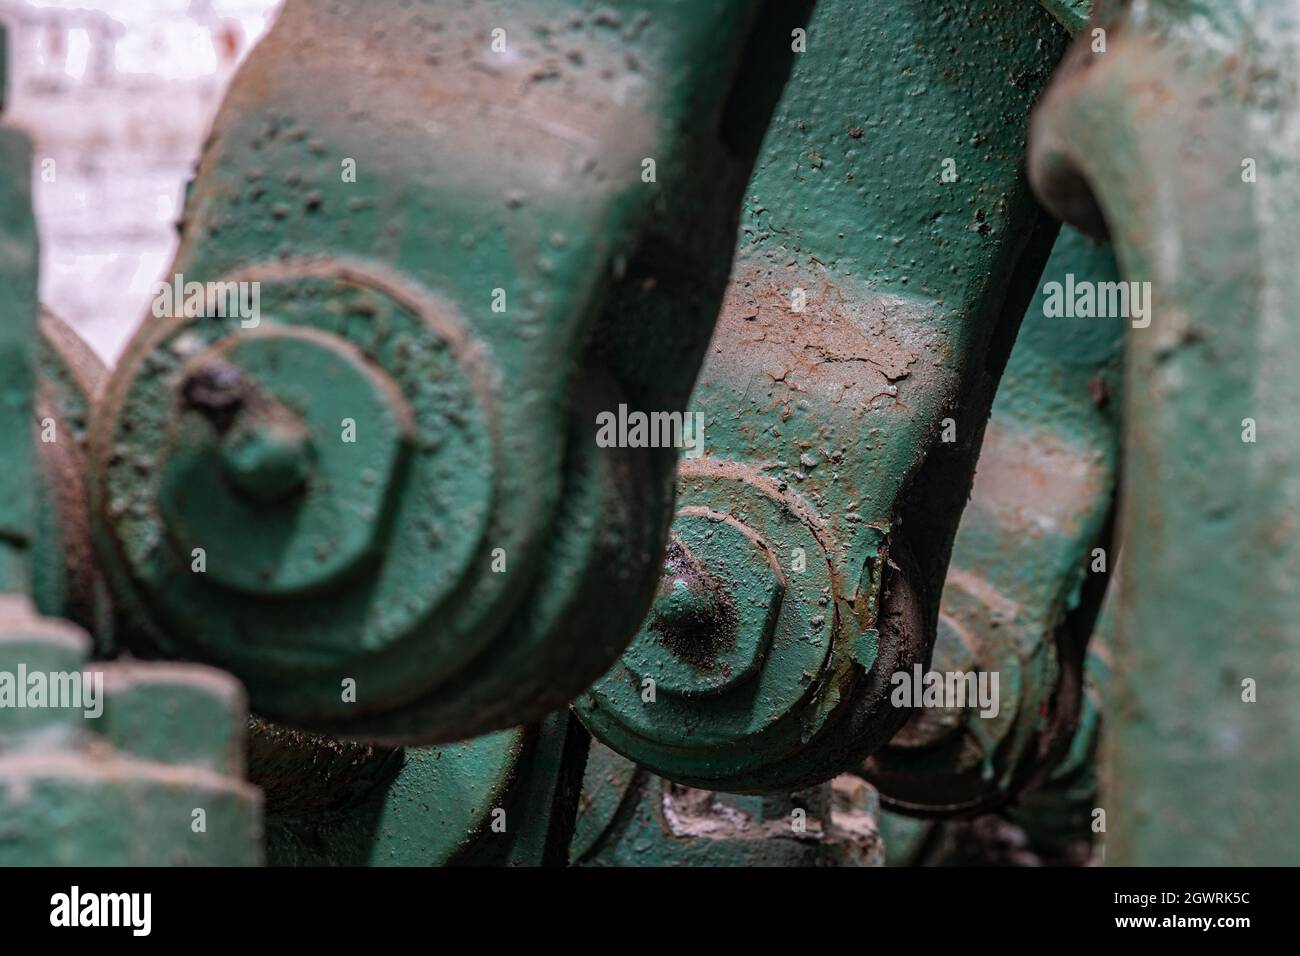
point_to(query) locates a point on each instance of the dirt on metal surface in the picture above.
(840, 349)
(698, 633)
(1032, 481)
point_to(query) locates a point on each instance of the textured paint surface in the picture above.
(1021, 592)
(65, 576)
(17, 358)
(872, 299)
(1073, 14)
(1149, 143)
(496, 549)
(419, 806)
(122, 788)
(503, 799)
(628, 817)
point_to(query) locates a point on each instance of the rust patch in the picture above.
(833, 347)
(1035, 481)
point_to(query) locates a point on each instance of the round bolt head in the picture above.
(719, 601)
(262, 416)
(270, 457)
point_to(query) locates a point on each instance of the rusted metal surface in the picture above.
(66, 578)
(378, 499)
(1060, 815)
(871, 306)
(1026, 580)
(503, 799)
(470, 246)
(1180, 143)
(1055, 823)
(629, 817)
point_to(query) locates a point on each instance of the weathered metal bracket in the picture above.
(1179, 141)
(470, 232)
(887, 254)
(1026, 578)
(117, 764)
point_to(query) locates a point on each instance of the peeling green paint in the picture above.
(873, 298)
(1025, 582)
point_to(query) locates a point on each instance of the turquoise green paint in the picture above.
(1149, 143)
(624, 820)
(1024, 574)
(147, 772)
(426, 813)
(18, 257)
(496, 262)
(868, 303)
(1073, 14)
(503, 799)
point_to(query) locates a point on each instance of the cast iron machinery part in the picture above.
(506, 798)
(844, 400)
(1059, 814)
(118, 785)
(66, 578)
(745, 678)
(128, 785)
(1023, 587)
(1049, 824)
(462, 575)
(326, 559)
(629, 817)
(1179, 142)
(18, 350)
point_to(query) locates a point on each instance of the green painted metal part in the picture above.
(18, 256)
(628, 817)
(460, 257)
(1059, 814)
(1180, 142)
(1024, 584)
(1054, 823)
(872, 301)
(147, 770)
(503, 799)
(66, 579)
(154, 778)
(1073, 14)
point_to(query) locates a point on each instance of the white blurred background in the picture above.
(119, 94)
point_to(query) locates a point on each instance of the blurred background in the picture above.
(117, 96)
